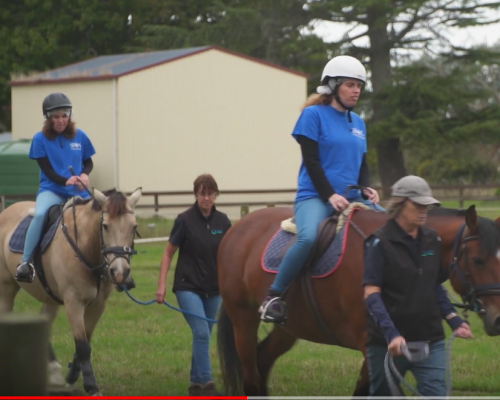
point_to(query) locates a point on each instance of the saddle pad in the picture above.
(16, 242)
(329, 261)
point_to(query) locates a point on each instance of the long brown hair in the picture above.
(315, 98)
(49, 132)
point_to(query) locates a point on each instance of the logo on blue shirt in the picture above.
(358, 133)
(216, 231)
(75, 146)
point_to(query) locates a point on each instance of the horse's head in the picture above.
(475, 268)
(117, 231)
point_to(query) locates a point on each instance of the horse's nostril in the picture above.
(496, 324)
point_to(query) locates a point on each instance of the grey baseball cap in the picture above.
(416, 189)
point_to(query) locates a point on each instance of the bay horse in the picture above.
(87, 257)
(470, 248)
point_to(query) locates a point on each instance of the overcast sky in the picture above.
(489, 34)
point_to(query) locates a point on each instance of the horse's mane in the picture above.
(117, 203)
(489, 231)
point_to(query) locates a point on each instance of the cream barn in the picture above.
(159, 119)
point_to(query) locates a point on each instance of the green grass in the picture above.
(146, 350)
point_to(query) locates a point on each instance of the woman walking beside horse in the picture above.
(197, 233)
(333, 144)
(403, 292)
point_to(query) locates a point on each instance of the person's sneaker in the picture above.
(194, 389)
(209, 390)
(273, 309)
(25, 272)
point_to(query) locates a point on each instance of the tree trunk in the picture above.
(391, 165)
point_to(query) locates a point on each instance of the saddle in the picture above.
(327, 230)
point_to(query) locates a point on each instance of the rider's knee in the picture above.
(39, 215)
(306, 240)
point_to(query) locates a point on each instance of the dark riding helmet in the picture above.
(56, 101)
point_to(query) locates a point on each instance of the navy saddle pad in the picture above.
(16, 243)
(281, 241)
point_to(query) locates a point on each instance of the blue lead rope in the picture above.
(147, 303)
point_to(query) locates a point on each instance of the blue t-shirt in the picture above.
(62, 153)
(341, 147)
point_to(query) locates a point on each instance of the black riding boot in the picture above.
(25, 272)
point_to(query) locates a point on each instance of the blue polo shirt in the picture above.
(341, 147)
(62, 153)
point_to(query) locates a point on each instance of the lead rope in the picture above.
(421, 353)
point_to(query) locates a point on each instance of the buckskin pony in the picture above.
(330, 310)
(87, 254)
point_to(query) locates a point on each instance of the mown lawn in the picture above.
(146, 350)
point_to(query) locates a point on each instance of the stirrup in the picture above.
(270, 314)
(23, 278)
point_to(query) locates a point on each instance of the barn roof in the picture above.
(109, 67)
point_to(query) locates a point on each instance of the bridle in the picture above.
(472, 292)
(103, 269)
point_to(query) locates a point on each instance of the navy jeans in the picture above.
(430, 373)
(205, 306)
(308, 215)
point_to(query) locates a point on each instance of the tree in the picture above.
(444, 117)
(271, 30)
(36, 35)
(392, 26)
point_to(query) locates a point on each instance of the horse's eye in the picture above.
(478, 261)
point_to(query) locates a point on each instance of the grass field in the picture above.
(146, 350)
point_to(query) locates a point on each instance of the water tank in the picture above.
(18, 174)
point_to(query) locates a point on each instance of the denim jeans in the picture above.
(205, 306)
(308, 215)
(430, 373)
(44, 201)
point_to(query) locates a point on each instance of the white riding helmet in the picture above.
(344, 67)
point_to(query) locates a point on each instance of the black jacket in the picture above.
(198, 238)
(408, 285)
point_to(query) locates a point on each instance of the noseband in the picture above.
(472, 292)
(125, 252)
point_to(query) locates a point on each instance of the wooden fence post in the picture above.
(461, 197)
(24, 343)
(157, 207)
(2, 203)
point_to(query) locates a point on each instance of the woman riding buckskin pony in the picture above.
(333, 144)
(58, 146)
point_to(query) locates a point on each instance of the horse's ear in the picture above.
(99, 196)
(471, 218)
(134, 197)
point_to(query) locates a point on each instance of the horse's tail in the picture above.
(230, 364)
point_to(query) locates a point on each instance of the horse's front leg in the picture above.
(75, 312)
